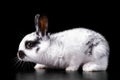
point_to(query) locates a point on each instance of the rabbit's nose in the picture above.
(21, 54)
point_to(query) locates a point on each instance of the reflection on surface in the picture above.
(61, 75)
(95, 76)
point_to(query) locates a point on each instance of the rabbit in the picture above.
(68, 49)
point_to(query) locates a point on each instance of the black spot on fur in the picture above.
(37, 49)
(91, 44)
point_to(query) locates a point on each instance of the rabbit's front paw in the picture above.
(39, 66)
(71, 68)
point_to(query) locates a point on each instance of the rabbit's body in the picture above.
(69, 49)
(74, 46)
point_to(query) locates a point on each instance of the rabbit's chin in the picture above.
(27, 59)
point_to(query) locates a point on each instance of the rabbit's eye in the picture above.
(30, 44)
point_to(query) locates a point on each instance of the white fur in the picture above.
(67, 50)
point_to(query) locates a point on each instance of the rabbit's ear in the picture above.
(37, 16)
(41, 24)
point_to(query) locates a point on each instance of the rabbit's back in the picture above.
(78, 36)
(76, 41)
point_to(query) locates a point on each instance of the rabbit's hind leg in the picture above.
(100, 54)
(96, 66)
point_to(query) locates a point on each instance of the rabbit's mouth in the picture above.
(23, 57)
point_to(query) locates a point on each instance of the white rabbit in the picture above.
(68, 49)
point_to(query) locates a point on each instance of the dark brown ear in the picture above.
(43, 25)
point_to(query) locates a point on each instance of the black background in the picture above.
(18, 20)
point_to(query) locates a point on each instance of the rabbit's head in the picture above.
(35, 44)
